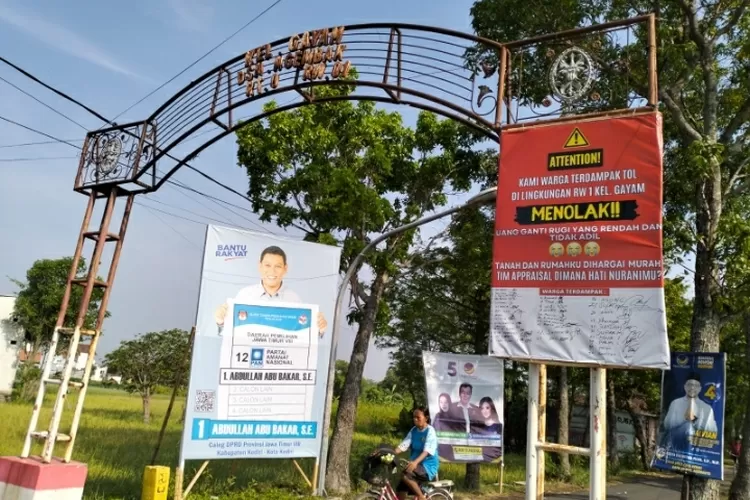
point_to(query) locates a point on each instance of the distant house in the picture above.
(82, 357)
(11, 342)
(23, 357)
(79, 361)
(99, 374)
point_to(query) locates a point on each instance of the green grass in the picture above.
(117, 445)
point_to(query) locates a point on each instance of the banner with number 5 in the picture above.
(465, 395)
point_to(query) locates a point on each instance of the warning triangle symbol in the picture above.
(576, 140)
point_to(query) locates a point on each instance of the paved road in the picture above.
(646, 488)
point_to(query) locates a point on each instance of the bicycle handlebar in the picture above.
(396, 462)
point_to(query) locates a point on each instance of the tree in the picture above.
(149, 360)
(443, 304)
(342, 173)
(342, 367)
(38, 301)
(406, 374)
(639, 391)
(736, 343)
(704, 91)
(740, 488)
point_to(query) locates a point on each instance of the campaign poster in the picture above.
(262, 345)
(691, 429)
(465, 399)
(577, 270)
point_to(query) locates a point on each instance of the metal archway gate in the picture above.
(412, 65)
(418, 66)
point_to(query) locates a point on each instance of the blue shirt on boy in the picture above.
(424, 440)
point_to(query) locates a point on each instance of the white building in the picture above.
(11, 341)
(99, 374)
(79, 361)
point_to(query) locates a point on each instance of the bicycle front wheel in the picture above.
(440, 494)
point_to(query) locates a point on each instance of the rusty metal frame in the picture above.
(228, 125)
(75, 332)
(207, 99)
(506, 95)
(430, 74)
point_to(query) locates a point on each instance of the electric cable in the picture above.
(199, 59)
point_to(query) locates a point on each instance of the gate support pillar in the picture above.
(598, 415)
(532, 432)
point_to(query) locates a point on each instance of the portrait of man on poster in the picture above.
(273, 267)
(465, 407)
(688, 414)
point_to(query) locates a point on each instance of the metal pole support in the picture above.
(541, 461)
(532, 432)
(598, 415)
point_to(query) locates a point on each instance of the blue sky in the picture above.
(109, 56)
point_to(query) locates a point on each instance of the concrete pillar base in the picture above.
(31, 479)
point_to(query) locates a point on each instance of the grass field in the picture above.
(117, 445)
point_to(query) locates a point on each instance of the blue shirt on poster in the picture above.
(424, 440)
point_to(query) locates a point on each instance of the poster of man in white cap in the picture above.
(691, 431)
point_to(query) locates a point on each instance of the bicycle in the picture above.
(381, 485)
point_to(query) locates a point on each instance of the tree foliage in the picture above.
(150, 360)
(38, 301)
(342, 173)
(443, 303)
(704, 91)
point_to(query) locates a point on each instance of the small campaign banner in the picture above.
(691, 430)
(465, 394)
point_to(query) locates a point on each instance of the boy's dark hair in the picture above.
(425, 411)
(273, 250)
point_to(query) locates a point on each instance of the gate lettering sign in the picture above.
(309, 52)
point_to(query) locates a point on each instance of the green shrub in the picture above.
(26, 383)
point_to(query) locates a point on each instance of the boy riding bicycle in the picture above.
(423, 459)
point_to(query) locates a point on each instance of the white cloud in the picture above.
(61, 38)
(193, 15)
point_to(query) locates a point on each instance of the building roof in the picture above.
(23, 356)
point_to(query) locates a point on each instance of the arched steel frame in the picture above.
(419, 66)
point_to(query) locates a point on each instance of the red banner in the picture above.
(579, 207)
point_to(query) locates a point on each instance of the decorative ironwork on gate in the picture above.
(412, 65)
(601, 69)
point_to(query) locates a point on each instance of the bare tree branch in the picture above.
(679, 117)
(739, 119)
(736, 176)
(733, 19)
(696, 36)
